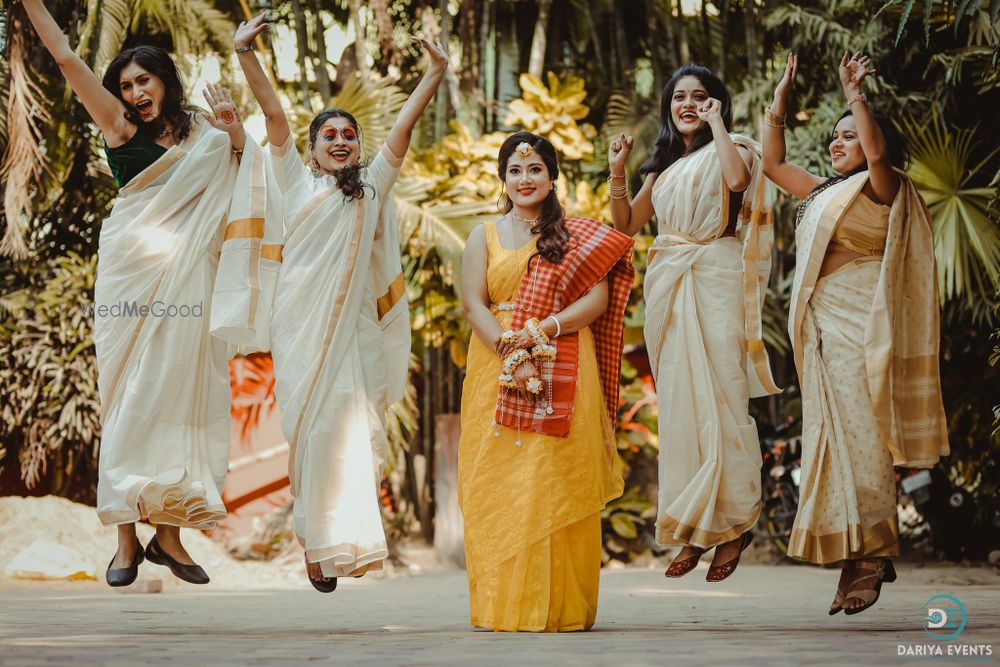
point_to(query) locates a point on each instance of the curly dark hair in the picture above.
(175, 110)
(669, 146)
(551, 226)
(348, 178)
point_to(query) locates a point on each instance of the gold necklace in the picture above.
(530, 223)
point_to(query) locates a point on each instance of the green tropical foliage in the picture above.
(581, 73)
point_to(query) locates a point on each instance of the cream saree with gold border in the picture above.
(703, 334)
(865, 339)
(340, 337)
(163, 380)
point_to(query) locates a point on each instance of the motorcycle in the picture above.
(780, 476)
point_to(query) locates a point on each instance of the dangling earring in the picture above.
(503, 202)
(314, 167)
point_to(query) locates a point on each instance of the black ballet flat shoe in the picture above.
(328, 586)
(193, 574)
(123, 576)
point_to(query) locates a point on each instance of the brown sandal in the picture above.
(678, 568)
(846, 570)
(881, 570)
(718, 573)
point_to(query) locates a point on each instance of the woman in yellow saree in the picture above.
(865, 334)
(545, 295)
(705, 279)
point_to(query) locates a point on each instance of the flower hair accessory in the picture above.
(524, 149)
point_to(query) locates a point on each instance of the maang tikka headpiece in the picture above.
(524, 149)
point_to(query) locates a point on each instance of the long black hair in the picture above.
(895, 144)
(670, 146)
(175, 111)
(348, 178)
(551, 227)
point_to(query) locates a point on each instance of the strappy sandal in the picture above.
(717, 573)
(845, 583)
(321, 585)
(882, 571)
(678, 568)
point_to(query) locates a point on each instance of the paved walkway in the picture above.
(764, 615)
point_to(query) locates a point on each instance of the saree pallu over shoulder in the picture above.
(902, 335)
(596, 251)
(704, 292)
(694, 209)
(250, 257)
(163, 380)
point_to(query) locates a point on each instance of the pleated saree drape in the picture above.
(163, 380)
(703, 295)
(340, 338)
(865, 339)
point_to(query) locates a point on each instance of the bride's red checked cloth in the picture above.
(595, 252)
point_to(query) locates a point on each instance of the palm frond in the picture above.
(373, 101)
(23, 158)
(966, 233)
(630, 114)
(427, 224)
(104, 31)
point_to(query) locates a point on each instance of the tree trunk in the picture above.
(753, 64)
(683, 49)
(441, 106)
(319, 59)
(723, 33)
(536, 59)
(487, 60)
(301, 47)
(595, 38)
(360, 53)
(655, 52)
(621, 49)
(667, 19)
(750, 27)
(706, 31)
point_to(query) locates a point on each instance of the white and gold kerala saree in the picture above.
(340, 338)
(703, 294)
(163, 380)
(865, 339)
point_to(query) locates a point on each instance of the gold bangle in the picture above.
(617, 191)
(244, 49)
(860, 97)
(774, 120)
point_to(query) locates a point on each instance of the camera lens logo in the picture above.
(945, 617)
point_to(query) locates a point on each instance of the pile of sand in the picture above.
(75, 526)
(24, 521)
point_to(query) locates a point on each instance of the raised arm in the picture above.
(629, 217)
(884, 181)
(224, 116)
(107, 111)
(398, 140)
(790, 177)
(274, 116)
(735, 161)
